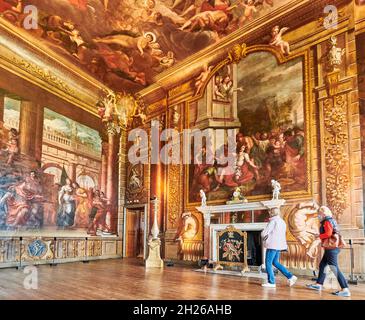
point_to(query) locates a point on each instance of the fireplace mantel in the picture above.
(207, 211)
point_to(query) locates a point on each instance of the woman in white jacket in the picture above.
(274, 238)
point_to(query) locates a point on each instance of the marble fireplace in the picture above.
(251, 217)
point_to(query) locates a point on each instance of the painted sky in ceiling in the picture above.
(125, 43)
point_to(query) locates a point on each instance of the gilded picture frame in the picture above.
(305, 193)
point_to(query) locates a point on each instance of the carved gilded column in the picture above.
(334, 109)
(174, 194)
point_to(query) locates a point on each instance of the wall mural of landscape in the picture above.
(125, 43)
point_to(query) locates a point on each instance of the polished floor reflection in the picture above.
(128, 279)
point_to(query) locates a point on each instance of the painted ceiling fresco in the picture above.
(125, 43)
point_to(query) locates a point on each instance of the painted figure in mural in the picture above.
(118, 62)
(25, 203)
(76, 41)
(135, 180)
(82, 206)
(10, 10)
(246, 169)
(202, 78)
(277, 41)
(294, 154)
(223, 87)
(213, 20)
(159, 7)
(98, 214)
(66, 206)
(360, 2)
(12, 148)
(217, 94)
(168, 60)
(249, 10)
(140, 43)
(261, 2)
(204, 173)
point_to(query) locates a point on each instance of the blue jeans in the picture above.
(330, 258)
(272, 258)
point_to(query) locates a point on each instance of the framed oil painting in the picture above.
(273, 110)
(232, 247)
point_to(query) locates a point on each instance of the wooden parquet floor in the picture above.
(128, 279)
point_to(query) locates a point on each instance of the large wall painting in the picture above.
(125, 43)
(272, 141)
(59, 194)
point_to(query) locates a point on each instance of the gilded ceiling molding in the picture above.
(44, 75)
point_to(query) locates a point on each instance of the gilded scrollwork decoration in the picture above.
(237, 53)
(336, 139)
(336, 136)
(174, 194)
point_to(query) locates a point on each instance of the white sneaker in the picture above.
(268, 285)
(292, 281)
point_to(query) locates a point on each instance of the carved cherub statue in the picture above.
(277, 41)
(203, 197)
(276, 187)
